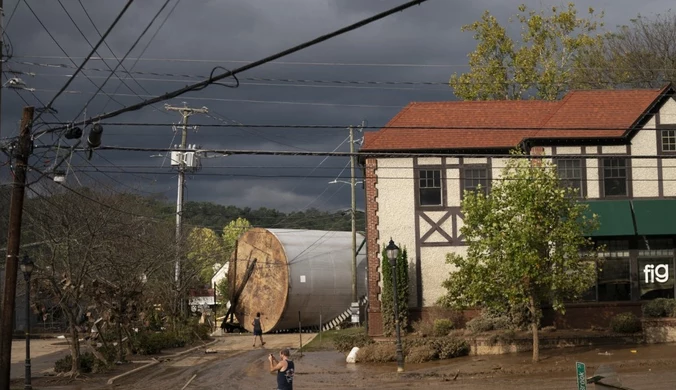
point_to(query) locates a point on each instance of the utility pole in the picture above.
(180, 161)
(21, 152)
(2, 46)
(355, 297)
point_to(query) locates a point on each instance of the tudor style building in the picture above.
(416, 200)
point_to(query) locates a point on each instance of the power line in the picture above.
(79, 69)
(105, 116)
(316, 63)
(392, 154)
(215, 78)
(342, 127)
(133, 46)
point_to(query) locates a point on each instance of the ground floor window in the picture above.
(635, 269)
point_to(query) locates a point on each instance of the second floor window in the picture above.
(430, 187)
(475, 177)
(570, 173)
(669, 140)
(615, 177)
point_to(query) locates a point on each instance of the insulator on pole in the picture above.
(94, 139)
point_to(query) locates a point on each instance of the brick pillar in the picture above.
(373, 249)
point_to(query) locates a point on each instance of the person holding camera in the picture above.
(284, 368)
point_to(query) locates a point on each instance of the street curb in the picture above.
(158, 361)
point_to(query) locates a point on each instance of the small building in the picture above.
(615, 146)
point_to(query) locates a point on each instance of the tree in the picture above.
(639, 55)
(94, 258)
(539, 65)
(231, 233)
(546, 260)
(205, 250)
(386, 298)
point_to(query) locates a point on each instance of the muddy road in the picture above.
(237, 365)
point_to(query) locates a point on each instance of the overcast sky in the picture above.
(422, 44)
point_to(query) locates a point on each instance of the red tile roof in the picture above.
(504, 124)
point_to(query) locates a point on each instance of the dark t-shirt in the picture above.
(285, 378)
(257, 325)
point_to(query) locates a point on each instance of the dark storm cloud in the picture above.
(248, 30)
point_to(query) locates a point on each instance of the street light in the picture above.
(27, 268)
(392, 254)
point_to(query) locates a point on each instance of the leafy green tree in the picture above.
(386, 301)
(223, 291)
(539, 65)
(205, 250)
(232, 232)
(638, 55)
(527, 245)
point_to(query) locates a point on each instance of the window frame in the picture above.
(583, 173)
(661, 130)
(475, 167)
(420, 187)
(603, 177)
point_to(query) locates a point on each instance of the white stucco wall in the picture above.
(452, 183)
(644, 171)
(569, 150)
(396, 207)
(434, 271)
(668, 113)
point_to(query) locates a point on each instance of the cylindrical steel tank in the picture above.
(306, 271)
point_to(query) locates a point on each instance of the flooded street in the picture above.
(237, 366)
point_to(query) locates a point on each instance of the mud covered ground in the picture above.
(237, 365)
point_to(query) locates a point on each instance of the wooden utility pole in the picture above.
(20, 154)
(186, 112)
(353, 211)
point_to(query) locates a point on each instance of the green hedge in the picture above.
(660, 307)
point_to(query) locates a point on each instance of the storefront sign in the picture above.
(656, 273)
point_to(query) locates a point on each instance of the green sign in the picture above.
(581, 376)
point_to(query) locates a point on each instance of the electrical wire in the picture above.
(225, 75)
(94, 49)
(133, 46)
(342, 127)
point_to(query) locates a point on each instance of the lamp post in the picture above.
(392, 254)
(27, 269)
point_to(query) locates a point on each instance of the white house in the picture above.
(418, 166)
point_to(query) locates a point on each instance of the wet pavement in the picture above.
(237, 365)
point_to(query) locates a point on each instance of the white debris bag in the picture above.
(352, 356)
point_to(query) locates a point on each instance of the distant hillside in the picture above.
(216, 216)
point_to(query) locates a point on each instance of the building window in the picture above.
(656, 277)
(570, 173)
(614, 275)
(615, 177)
(430, 187)
(475, 178)
(669, 140)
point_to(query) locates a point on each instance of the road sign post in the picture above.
(581, 370)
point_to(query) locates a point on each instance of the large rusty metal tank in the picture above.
(306, 271)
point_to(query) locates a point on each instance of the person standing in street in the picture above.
(284, 368)
(257, 329)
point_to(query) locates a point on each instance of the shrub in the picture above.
(625, 323)
(660, 307)
(154, 343)
(450, 347)
(442, 326)
(88, 363)
(485, 324)
(377, 353)
(345, 342)
(420, 354)
(423, 328)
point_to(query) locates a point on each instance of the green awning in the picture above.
(615, 217)
(655, 216)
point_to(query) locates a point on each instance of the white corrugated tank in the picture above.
(306, 271)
